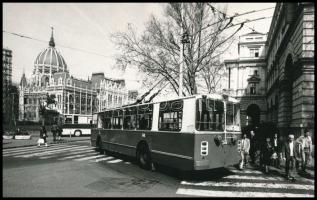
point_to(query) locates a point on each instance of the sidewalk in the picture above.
(12, 143)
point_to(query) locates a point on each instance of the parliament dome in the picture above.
(49, 61)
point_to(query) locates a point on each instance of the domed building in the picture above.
(47, 63)
(76, 99)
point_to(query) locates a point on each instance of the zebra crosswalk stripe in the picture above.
(88, 158)
(251, 184)
(239, 177)
(114, 161)
(77, 156)
(51, 151)
(256, 185)
(33, 151)
(246, 171)
(17, 149)
(211, 193)
(102, 159)
(81, 151)
(47, 157)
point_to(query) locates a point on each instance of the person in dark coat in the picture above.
(59, 131)
(54, 131)
(277, 150)
(43, 135)
(253, 146)
(267, 151)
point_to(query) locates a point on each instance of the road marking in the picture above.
(88, 158)
(127, 163)
(34, 151)
(71, 150)
(114, 161)
(31, 148)
(255, 185)
(246, 171)
(254, 178)
(77, 156)
(54, 151)
(102, 159)
(197, 192)
(81, 151)
(46, 157)
(27, 148)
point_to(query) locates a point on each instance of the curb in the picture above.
(28, 145)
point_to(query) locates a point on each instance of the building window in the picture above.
(253, 88)
(254, 52)
(255, 72)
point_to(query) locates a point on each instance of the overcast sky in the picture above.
(88, 26)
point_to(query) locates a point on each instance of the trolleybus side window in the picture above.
(209, 115)
(129, 121)
(107, 119)
(170, 115)
(144, 117)
(117, 119)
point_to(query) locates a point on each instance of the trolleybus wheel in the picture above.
(144, 157)
(77, 133)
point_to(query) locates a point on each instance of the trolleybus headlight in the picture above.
(204, 148)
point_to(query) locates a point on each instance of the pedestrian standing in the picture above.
(59, 131)
(289, 157)
(54, 131)
(277, 151)
(306, 144)
(267, 151)
(43, 135)
(253, 146)
(244, 152)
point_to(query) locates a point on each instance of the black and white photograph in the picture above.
(158, 99)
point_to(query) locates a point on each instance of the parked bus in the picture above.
(190, 133)
(77, 129)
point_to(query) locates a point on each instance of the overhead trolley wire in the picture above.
(31, 38)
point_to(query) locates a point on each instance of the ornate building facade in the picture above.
(290, 67)
(76, 99)
(285, 73)
(247, 77)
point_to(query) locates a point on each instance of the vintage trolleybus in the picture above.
(190, 133)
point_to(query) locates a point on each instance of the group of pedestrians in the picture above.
(56, 131)
(295, 153)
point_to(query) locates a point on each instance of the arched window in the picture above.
(60, 81)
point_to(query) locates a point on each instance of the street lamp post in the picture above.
(184, 41)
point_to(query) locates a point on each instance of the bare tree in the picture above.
(157, 51)
(212, 76)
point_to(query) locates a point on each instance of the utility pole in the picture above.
(183, 41)
(180, 91)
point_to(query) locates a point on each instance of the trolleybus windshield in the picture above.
(209, 115)
(233, 117)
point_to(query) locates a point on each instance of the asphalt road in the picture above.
(76, 170)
